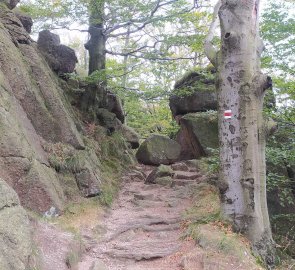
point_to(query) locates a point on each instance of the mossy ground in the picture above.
(204, 224)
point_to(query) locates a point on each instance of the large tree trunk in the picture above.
(241, 87)
(96, 45)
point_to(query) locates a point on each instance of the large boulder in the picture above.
(195, 92)
(60, 58)
(15, 234)
(158, 149)
(198, 133)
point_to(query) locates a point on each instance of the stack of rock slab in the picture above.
(193, 104)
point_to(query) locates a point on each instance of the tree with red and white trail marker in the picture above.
(241, 87)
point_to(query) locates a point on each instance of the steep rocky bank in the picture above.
(51, 154)
(48, 154)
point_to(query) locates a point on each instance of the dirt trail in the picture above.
(143, 229)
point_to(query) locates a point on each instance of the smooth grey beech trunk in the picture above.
(241, 86)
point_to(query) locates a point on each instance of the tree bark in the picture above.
(96, 45)
(241, 87)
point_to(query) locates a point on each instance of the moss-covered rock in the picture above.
(108, 120)
(164, 181)
(88, 182)
(158, 149)
(195, 92)
(15, 234)
(89, 97)
(218, 247)
(131, 136)
(198, 133)
(159, 172)
(43, 154)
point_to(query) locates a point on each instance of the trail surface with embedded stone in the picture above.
(144, 227)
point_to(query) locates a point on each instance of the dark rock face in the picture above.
(11, 4)
(187, 151)
(198, 133)
(158, 149)
(194, 93)
(26, 21)
(60, 58)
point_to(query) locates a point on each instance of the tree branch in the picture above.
(144, 21)
(69, 29)
(149, 58)
(136, 50)
(210, 50)
(125, 73)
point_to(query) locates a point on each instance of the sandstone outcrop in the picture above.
(195, 92)
(96, 101)
(158, 149)
(14, 27)
(198, 134)
(193, 104)
(49, 154)
(60, 58)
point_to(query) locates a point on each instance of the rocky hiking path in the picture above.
(143, 228)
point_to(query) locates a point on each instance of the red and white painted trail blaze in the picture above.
(227, 114)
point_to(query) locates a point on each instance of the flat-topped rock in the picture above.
(195, 92)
